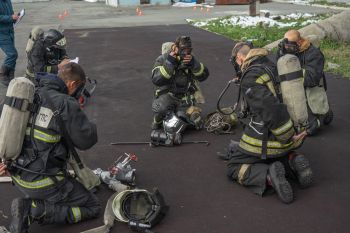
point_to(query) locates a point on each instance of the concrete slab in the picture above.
(192, 179)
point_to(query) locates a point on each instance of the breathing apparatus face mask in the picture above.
(78, 91)
(236, 67)
(184, 51)
(184, 44)
(233, 59)
(290, 47)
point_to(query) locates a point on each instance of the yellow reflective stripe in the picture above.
(242, 171)
(31, 74)
(48, 69)
(263, 79)
(162, 71)
(283, 129)
(46, 137)
(40, 135)
(33, 204)
(157, 92)
(76, 214)
(200, 72)
(258, 143)
(285, 136)
(266, 80)
(36, 184)
(271, 88)
(258, 150)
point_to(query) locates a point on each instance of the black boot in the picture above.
(301, 167)
(20, 210)
(24, 212)
(276, 177)
(328, 117)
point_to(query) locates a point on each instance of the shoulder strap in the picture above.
(66, 138)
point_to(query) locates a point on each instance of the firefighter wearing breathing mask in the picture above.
(312, 62)
(40, 171)
(46, 52)
(175, 75)
(265, 152)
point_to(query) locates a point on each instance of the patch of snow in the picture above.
(309, 21)
(248, 21)
(333, 66)
(297, 16)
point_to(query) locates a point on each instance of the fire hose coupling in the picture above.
(120, 172)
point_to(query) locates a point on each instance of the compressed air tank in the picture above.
(15, 116)
(292, 88)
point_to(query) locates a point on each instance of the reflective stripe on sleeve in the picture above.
(200, 72)
(283, 129)
(76, 214)
(162, 71)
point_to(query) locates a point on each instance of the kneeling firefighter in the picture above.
(265, 151)
(46, 52)
(315, 85)
(50, 124)
(176, 74)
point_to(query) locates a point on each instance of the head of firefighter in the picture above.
(266, 149)
(57, 126)
(312, 63)
(176, 75)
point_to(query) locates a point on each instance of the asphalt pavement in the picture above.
(191, 177)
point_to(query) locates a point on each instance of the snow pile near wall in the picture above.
(248, 21)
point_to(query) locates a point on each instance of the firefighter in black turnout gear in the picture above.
(40, 172)
(47, 52)
(265, 151)
(312, 62)
(175, 75)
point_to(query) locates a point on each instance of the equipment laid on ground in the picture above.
(15, 116)
(193, 114)
(140, 208)
(108, 217)
(172, 133)
(120, 172)
(292, 88)
(219, 123)
(150, 143)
